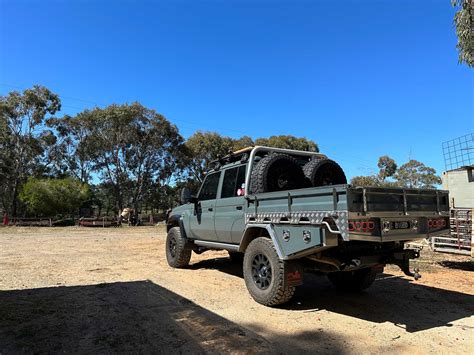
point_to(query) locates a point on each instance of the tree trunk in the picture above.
(14, 199)
(135, 211)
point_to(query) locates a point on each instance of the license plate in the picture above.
(400, 225)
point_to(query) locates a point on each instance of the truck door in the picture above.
(229, 216)
(202, 221)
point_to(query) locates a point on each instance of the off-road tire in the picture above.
(353, 281)
(275, 293)
(178, 252)
(236, 257)
(277, 172)
(323, 172)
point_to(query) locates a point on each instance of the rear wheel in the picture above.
(354, 281)
(177, 252)
(264, 273)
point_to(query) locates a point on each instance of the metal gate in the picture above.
(461, 239)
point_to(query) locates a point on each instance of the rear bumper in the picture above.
(396, 238)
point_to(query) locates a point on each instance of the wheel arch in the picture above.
(172, 221)
(259, 230)
(176, 221)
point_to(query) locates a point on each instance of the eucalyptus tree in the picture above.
(412, 174)
(415, 174)
(202, 148)
(24, 141)
(72, 154)
(129, 147)
(464, 24)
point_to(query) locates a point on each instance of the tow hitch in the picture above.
(402, 260)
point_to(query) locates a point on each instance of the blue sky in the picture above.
(361, 78)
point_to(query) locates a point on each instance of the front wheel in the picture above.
(264, 273)
(177, 252)
(353, 281)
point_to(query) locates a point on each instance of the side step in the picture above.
(217, 245)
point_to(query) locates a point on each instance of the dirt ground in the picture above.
(110, 290)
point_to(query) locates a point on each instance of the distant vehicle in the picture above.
(288, 211)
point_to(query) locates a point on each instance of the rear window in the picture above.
(233, 181)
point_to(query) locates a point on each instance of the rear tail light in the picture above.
(362, 226)
(437, 223)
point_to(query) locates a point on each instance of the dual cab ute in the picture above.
(288, 212)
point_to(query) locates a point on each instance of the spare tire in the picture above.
(277, 172)
(323, 172)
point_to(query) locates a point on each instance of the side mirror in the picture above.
(186, 196)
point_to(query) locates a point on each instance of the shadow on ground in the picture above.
(223, 264)
(132, 316)
(138, 317)
(405, 303)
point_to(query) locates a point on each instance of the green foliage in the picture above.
(242, 142)
(417, 175)
(365, 181)
(204, 147)
(25, 143)
(52, 197)
(288, 142)
(464, 24)
(412, 174)
(387, 167)
(137, 154)
(129, 146)
(71, 153)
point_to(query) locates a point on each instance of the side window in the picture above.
(233, 180)
(228, 187)
(240, 187)
(209, 187)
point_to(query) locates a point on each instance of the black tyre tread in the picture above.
(183, 252)
(259, 173)
(310, 169)
(355, 281)
(278, 294)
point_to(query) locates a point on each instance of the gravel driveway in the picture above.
(108, 290)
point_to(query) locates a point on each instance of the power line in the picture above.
(61, 96)
(356, 160)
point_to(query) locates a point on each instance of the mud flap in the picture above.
(293, 272)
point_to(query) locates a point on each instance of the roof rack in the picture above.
(244, 154)
(231, 157)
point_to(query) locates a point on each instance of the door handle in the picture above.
(210, 209)
(238, 207)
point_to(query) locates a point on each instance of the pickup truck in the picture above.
(287, 212)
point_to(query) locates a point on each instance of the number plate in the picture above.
(400, 225)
